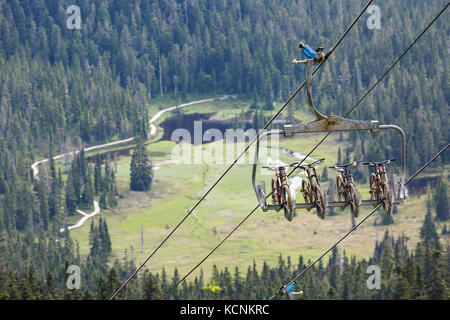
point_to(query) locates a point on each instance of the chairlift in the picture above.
(312, 193)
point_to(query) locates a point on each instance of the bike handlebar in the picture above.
(378, 163)
(296, 164)
(354, 163)
(306, 166)
(277, 167)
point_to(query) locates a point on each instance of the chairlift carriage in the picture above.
(347, 193)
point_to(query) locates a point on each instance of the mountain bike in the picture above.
(281, 193)
(345, 186)
(311, 188)
(379, 187)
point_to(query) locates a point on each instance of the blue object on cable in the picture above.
(290, 287)
(308, 52)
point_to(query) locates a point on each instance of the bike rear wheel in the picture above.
(288, 205)
(320, 203)
(374, 194)
(307, 192)
(387, 198)
(354, 200)
(275, 195)
(340, 188)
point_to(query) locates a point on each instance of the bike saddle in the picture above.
(379, 163)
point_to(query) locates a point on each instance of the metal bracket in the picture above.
(312, 107)
(330, 124)
(260, 189)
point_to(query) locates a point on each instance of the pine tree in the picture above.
(436, 288)
(428, 231)
(141, 175)
(441, 200)
(71, 199)
(50, 286)
(11, 289)
(102, 202)
(152, 290)
(98, 175)
(112, 283)
(106, 240)
(87, 197)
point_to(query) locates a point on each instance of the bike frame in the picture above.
(380, 173)
(281, 177)
(311, 173)
(347, 177)
(281, 180)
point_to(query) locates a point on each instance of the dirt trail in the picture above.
(86, 216)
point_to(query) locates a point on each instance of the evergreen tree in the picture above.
(141, 175)
(71, 198)
(428, 231)
(152, 290)
(436, 288)
(97, 175)
(441, 200)
(87, 197)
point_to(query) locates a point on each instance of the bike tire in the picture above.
(340, 188)
(288, 206)
(354, 200)
(374, 194)
(307, 192)
(320, 205)
(387, 198)
(275, 196)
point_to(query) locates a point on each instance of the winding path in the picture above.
(86, 216)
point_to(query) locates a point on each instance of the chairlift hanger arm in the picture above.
(402, 135)
(329, 124)
(260, 188)
(336, 124)
(309, 71)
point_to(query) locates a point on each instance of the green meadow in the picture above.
(263, 237)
